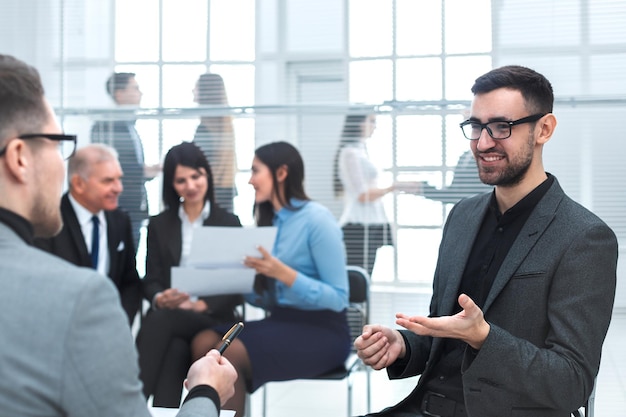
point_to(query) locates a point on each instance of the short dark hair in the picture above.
(118, 81)
(275, 155)
(187, 154)
(22, 105)
(535, 88)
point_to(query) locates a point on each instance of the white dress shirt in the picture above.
(187, 228)
(86, 226)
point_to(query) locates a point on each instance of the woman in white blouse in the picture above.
(364, 222)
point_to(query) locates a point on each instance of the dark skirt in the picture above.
(292, 344)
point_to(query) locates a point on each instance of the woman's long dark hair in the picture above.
(187, 154)
(274, 155)
(352, 133)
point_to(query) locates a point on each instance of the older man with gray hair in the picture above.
(96, 233)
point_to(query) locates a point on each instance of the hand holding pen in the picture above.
(230, 336)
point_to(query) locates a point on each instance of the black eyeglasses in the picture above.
(497, 130)
(67, 143)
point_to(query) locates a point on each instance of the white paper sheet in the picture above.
(225, 247)
(215, 264)
(213, 281)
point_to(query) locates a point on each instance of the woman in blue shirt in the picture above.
(302, 284)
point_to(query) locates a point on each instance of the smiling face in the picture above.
(102, 187)
(504, 162)
(191, 184)
(262, 182)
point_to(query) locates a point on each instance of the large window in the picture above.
(419, 64)
(294, 68)
(169, 44)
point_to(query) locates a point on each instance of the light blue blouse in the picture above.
(310, 241)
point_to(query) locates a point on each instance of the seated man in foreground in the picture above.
(525, 282)
(66, 346)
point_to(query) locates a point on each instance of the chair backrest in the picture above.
(358, 308)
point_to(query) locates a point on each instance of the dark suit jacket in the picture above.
(164, 251)
(70, 245)
(121, 134)
(549, 311)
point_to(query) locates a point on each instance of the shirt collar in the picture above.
(19, 224)
(206, 212)
(286, 212)
(527, 203)
(82, 214)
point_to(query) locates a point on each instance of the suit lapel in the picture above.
(456, 251)
(74, 231)
(174, 242)
(114, 239)
(531, 232)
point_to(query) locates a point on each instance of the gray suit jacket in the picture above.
(65, 346)
(549, 311)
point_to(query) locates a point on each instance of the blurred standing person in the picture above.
(363, 221)
(216, 137)
(66, 347)
(122, 135)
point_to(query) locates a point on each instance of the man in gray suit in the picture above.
(66, 348)
(525, 281)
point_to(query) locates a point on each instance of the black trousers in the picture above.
(363, 240)
(163, 344)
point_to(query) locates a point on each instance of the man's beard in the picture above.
(46, 218)
(514, 173)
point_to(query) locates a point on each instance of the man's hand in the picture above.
(151, 171)
(468, 325)
(379, 346)
(412, 187)
(214, 370)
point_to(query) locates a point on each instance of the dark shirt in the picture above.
(20, 225)
(496, 236)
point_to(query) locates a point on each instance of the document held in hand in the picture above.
(215, 264)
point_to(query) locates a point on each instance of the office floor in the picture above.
(329, 398)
